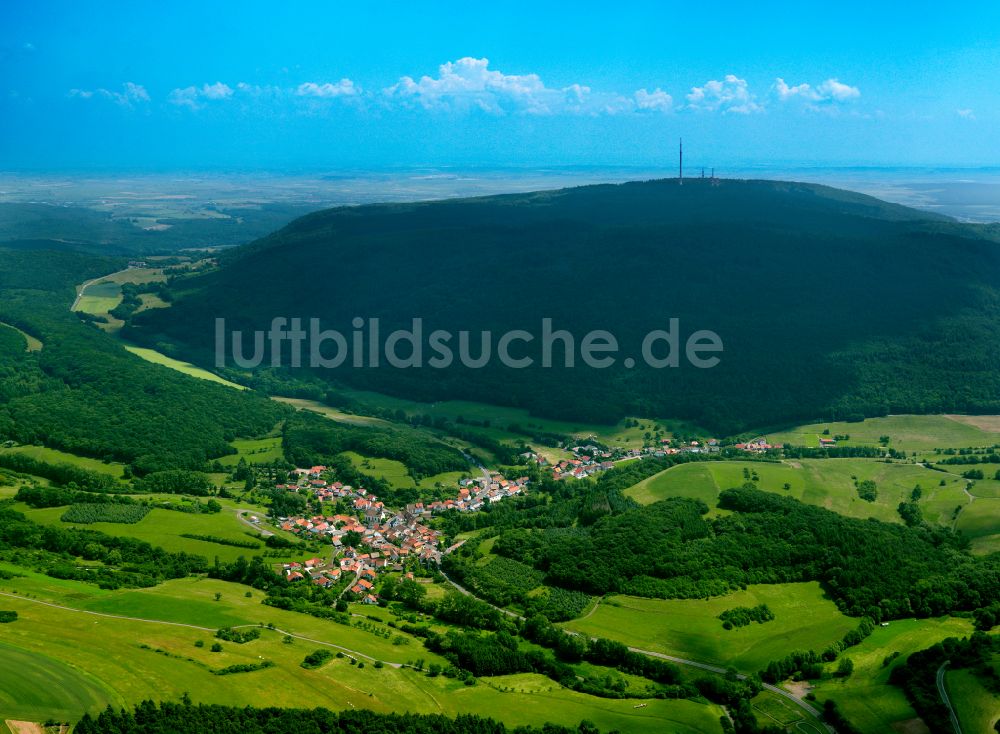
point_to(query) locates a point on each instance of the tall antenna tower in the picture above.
(680, 163)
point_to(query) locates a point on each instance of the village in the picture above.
(589, 459)
(377, 539)
(391, 537)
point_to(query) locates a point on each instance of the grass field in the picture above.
(35, 687)
(31, 343)
(866, 697)
(151, 355)
(123, 671)
(980, 521)
(906, 432)
(332, 413)
(827, 483)
(255, 451)
(689, 628)
(54, 456)
(150, 300)
(100, 298)
(164, 528)
(395, 473)
(977, 708)
(770, 708)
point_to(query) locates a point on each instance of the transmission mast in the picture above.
(680, 163)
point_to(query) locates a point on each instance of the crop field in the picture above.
(826, 483)
(690, 628)
(126, 661)
(54, 456)
(866, 697)
(151, 355)
(906, 432)
(165, 528)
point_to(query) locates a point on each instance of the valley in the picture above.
(153, 508)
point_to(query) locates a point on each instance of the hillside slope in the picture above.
(829, 303)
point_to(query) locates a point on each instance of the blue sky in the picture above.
(321, 85)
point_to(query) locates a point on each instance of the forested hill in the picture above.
(829, 303)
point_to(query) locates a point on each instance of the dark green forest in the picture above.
(168, 718)
(829, 304)
(85, 394)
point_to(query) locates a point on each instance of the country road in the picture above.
(347, 650)
(804, 705)
(944, 697)
(263, 531)
(92, 281)
(475, 462)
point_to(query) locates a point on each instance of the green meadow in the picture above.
(127, 661)
(255, 451)
(919, 433)
(395, 472)
(31, 343)
(829, 483)
(151, 355)
(332, 413)
(978, 708)
(54, 456)
(100, 298)
(866, 697)
(34, 686)
(689, 628)
(980, 522)
(164, 528)
(826, 483)
(771, 708)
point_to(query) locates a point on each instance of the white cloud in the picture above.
(193, 97)
(837, 91)
(729, 95)
(831, 90)
(655, 101)
(130, 95)
(343, 88)
(966, 114)
(469, 83)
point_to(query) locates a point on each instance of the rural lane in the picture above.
(85, 286)
(348, 651)
(944, 697)
(240, 515)
(683, 661)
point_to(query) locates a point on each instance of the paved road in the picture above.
(944, 697)
(240, 516)
(348, 651)
(475, 462)
(804, 705)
